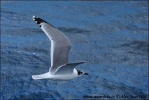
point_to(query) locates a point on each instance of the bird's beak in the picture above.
(86, 74)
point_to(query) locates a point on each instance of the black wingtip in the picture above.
(38, 20)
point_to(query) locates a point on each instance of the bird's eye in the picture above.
(80, 72)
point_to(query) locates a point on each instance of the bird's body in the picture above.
(60, 68)
(48, 75)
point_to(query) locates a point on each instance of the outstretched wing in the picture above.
(67, 68)
(60, 44)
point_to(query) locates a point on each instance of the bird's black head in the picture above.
(81, 72)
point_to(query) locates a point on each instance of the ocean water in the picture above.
(110, 36)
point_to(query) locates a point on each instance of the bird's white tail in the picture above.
(41, 76)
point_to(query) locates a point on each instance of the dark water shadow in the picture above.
(40, 96)
(135, 47)
(73, 30)
(121, 88)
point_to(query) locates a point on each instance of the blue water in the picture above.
(110, 36)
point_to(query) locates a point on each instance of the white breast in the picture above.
(65, 76)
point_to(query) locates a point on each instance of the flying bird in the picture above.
(60, 68)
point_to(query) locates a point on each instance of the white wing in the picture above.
(60, 44)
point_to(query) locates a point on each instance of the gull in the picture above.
(60, 47)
